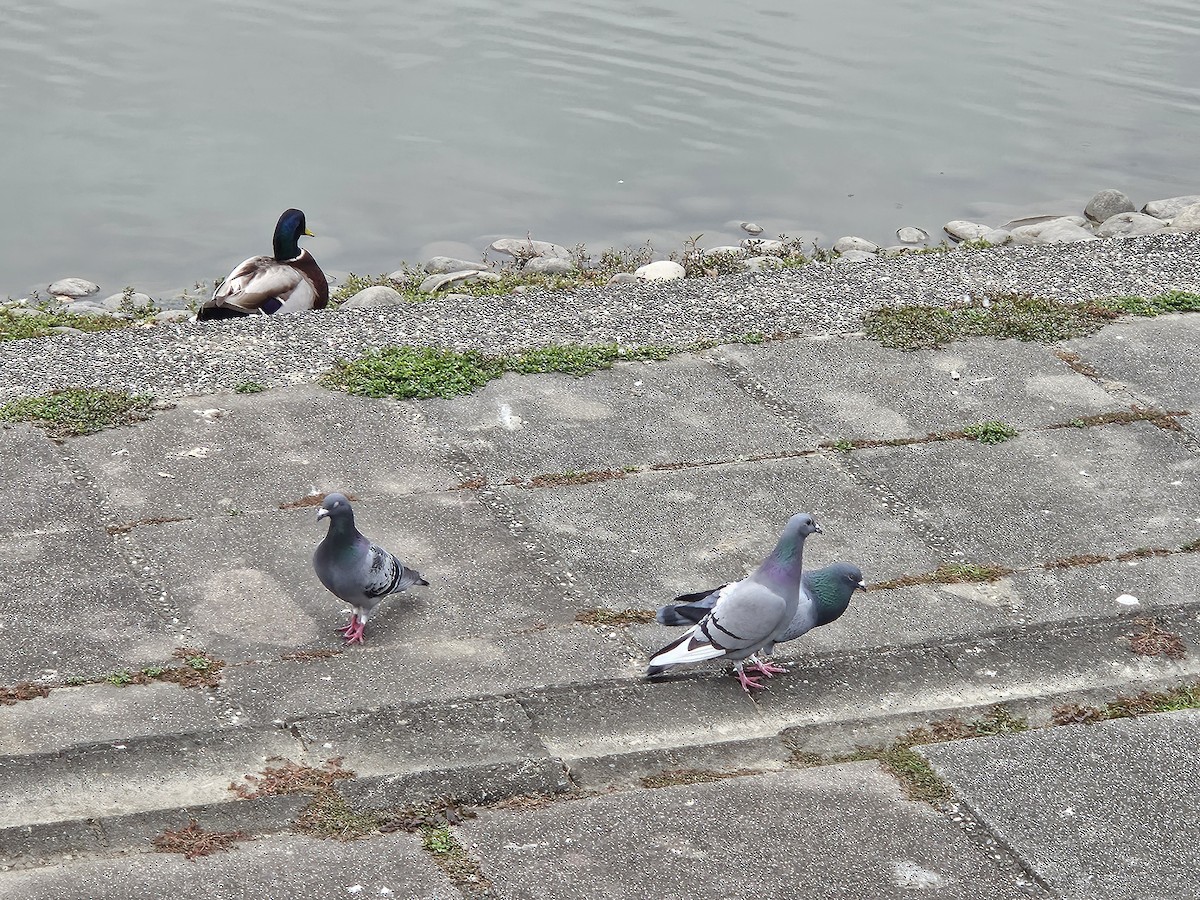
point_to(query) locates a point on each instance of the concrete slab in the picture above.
(1079, 658)
(69, 606)
(475, 751)
(1144, 586)
(842, 831)
(244, 585)
(67, 601)
(707, 707)
(439, 667)
(38, 490)
(847, 387)
(642, 540)
(102, 712)
(135, 776)
(1155, 358)
(1100, 811)
(281, 867)
(680, 410)
(1079, 491)
(386, 741)
(260, 450)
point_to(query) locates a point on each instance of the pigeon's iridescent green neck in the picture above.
(832, 593)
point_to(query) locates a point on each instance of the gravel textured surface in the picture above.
(192, 358)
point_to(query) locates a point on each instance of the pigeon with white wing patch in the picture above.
(356, 570)
(824, 595)
(748, 615)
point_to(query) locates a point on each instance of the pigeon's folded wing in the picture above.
(744, 616)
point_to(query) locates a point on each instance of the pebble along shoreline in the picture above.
(1055, 257)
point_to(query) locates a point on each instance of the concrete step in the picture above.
(115, 793)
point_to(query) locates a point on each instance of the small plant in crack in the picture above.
(1076, 714)
(615, 617)
(948, 573)
(991, 432)
(1151, 639)
(672, 777)
(194, 841)
(22, 690)
(288, 777)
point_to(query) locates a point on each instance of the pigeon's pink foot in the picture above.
(766, 668)
(354, 634)
(748, 683)
(345, 629)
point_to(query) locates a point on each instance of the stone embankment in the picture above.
(1109, 214)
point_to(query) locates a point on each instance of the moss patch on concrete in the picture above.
(76, 411)
(1023, 317)
(198, 668)
(917, 778)
(418, 373)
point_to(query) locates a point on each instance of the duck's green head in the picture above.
(288, 231)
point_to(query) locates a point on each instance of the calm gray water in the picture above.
(153, 143)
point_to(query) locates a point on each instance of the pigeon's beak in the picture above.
(862, 585)
(818, 529)
(322, 513)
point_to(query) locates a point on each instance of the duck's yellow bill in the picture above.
(309, 233)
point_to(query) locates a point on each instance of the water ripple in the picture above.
(168, 138)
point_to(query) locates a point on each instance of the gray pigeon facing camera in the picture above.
(356, 570)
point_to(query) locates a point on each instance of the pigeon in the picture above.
(354, 569)
(824, 596)
(748, 615)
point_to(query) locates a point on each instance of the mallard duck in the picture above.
(289, 281)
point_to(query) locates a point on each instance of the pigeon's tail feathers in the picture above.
(692, 647)
(408, 578)
(674, 614)
(655, 671)
(696, 596)
(689, 609)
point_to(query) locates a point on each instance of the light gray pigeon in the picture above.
(824, 596)
(354, 569)
(747, 615)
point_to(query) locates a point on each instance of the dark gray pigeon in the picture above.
(824, 596)
(747, 615)
(354, 569)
